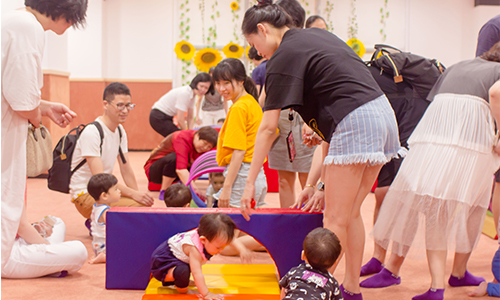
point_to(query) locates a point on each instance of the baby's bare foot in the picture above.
(99, 259)
(480, 290)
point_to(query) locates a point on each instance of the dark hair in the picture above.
(100, 183)
(493, 54)
(177, 195)
(214, 225)
(221, 120)
(208, 134)
(201, 77)
(232, 68)
(213, 174)
(115, 88)
(265, 12)
(74, 11)
(254, 54)
(313, 19)
(322, 248)
(295, 10)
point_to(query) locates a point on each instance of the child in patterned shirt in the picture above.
(311, 280)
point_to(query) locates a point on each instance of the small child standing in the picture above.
(177, 195)
(185, 253)
(216, 182)
(103, 188)
(311, 280)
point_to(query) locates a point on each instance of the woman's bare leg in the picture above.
(346, 186)
(287, 188)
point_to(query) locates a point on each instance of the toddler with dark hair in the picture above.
(103, 187)
(177, 195)
(311, 280)
(185, 253)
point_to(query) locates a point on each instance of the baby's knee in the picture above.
(181, 276)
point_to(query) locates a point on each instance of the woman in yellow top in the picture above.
(236, 142)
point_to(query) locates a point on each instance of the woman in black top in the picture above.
(318, 75)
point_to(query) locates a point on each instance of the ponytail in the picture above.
(265, 12)
(251, 88)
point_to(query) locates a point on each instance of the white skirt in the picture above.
(439, 197)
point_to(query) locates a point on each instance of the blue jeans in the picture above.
(494, 288)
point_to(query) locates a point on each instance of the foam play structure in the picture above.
(134, 233)
(254, 279)
(204, 164)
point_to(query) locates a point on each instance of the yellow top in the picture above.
(239, 130)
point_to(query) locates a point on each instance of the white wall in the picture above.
(130, 39)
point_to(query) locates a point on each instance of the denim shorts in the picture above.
(369, 134)
(239, 186)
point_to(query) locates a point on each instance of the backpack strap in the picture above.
(120, 147)
(101, 135)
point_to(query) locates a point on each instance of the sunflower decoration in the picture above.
(233, 50)
(184, 50)
(357, 46)
(207, 58)
(235, 5)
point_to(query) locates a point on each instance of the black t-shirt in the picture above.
(318, 75)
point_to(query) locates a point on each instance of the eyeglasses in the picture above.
(121, 106)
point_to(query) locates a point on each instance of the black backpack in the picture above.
(60, 173)
(418, 71)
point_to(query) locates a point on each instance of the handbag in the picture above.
(38, 150)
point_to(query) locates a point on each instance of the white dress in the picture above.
(23, 41)
(439, 197)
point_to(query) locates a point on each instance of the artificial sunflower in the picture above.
(207, 58)
(235, 5)
(184, 50)
(357, 46)
(233, 50)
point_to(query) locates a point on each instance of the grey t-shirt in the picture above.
(470, 77)
(212, 102)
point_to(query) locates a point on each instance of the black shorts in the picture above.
(388, 172)
(162, 260)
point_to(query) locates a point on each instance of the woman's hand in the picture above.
(225, 197)
(246, 200)
(57, 112)
(304, 196)
(310, 138)
(317, 203)
(310, 201)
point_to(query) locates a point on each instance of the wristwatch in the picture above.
(321, 186)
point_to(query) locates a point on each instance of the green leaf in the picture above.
(188, 19)
(187, 28)
(182, 6)
(187, 37)
(188, 72)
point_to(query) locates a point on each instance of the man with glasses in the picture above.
(101, 156)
